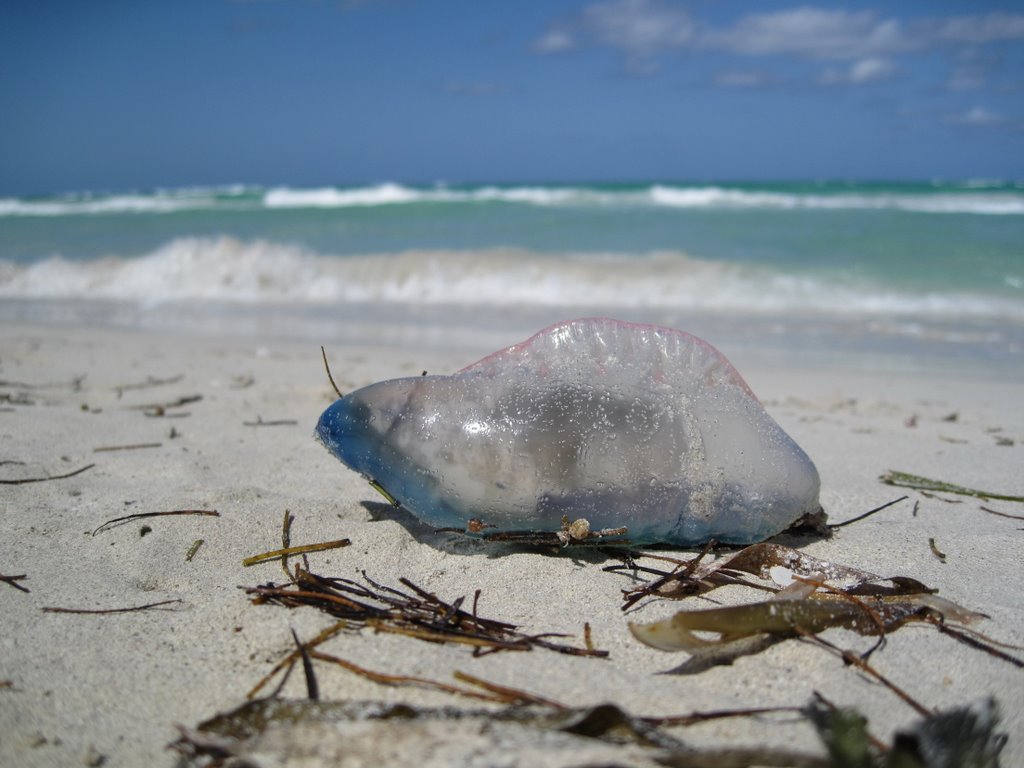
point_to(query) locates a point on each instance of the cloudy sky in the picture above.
(141, 94)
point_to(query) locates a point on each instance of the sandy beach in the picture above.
(183, 421)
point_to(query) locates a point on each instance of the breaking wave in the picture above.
(231, 270)
(983, 199)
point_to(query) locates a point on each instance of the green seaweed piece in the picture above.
(918, 483)
(960, 738)
(844, 732)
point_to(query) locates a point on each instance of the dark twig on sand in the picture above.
(134, 447)
(23, 480)
(1001, 514)
(140, 515)
(148, 383)
(868, 513)
(328, 369)
(162, 407)
(102, 611)
(276, 423)
(13, 581)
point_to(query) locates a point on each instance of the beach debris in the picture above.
(193, 549)
(327, 367)
(133, 447)
(13, 581)
(413, 612)
(769, 562)
(75, 384)
(626, 425)
(160, 410)
(113, 523)
(935, 549)
(991, 511)
(104, 611)
(24, 480)
(808, 595)
(148, 383)
(573, 533)
(907, 480)
(273, 730)
(786, 616)
(273, 423)
(285, 552)
(870, 512)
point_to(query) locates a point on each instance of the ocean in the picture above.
(896, 268)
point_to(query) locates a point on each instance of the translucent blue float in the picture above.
(623, 425)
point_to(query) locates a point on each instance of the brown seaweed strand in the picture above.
(510, 695)
(145, 607)
(289, 660)
(849, 657)
(13, 581)
(141, 515)
(870, 512)
(973, 639)
(405, 680)
(24, 480)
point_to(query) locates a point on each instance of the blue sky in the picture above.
(140, 94)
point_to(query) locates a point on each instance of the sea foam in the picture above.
(231, 270)
(963, 199)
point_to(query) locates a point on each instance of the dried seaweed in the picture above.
(865, 615)
(103, 611)
(141, 515)
(703, 574)
(285, 552)
(75, 384)
(870, 512)
(817, 595)
(24, 480)
(134, 447)
(906, 480)
(991, 511)
(966, 736)
(275, 423)
(13, 581)
(162, 408)
(193, 549)
(148, 384)
(413, 612)
(327, 368)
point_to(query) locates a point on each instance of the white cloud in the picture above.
(812, 33)
(861, 47)
(870, 70)
(640, 29)
(977, 29)
(978, 117)
(554, 41)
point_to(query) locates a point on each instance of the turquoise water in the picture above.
(910, 256)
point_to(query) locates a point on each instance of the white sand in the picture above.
(108, 689)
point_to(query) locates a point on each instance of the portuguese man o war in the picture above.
(620, 424)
